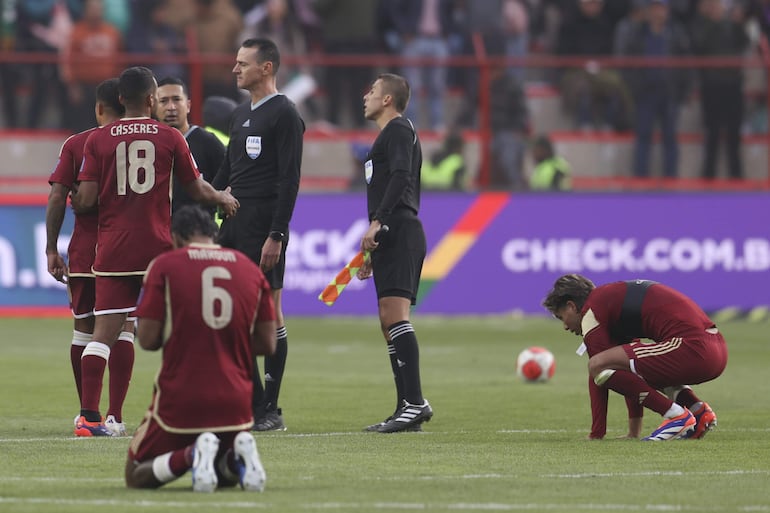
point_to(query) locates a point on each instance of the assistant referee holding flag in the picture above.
(262, 166)
(392, 172)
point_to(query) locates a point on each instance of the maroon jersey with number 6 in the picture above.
(133, 160)
(209, 298)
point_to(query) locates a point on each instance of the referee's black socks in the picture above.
(274, 366)
(404, 341)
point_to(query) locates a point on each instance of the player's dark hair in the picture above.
(267, 51)
(570, 287)
(174, 81)
(397, 87)
(135, 85)
(191, 220)
(107, 94)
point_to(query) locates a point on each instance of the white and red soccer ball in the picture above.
(535, 364)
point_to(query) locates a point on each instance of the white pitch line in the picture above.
(355, 433)
(666, 473)
(372, 506)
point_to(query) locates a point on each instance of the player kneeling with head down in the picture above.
(210, 309)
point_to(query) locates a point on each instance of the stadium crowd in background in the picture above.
(598, 98)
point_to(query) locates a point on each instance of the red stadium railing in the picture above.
(195, 61)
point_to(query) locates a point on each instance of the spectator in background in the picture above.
(509, 123)
(596, 97)
(445, 169)
(118, 14)
(43, 26)
(217, 111)
(90, 56)
(658, 92)
(348, 28)
(551, 172)
(9, 76)
(152, 32)
(218, 26)
(275, 20)
(495, 21)
(423, 27)
(515, 19)
(760, 11)
(718, 31)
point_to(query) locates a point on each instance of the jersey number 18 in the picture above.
(140, 155)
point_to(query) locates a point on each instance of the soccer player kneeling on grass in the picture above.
(684, 348)
(210, 309)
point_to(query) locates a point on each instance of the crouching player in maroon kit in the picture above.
(684, 348)
(211, 311)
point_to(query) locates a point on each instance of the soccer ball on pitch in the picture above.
(535, 364)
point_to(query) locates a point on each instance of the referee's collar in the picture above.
(254, 106)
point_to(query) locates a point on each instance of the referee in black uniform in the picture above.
(172, 109)
(262, 166)
(392, 172)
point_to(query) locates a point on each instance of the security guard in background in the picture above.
(445, 170)
(217, 111)
(551, 172)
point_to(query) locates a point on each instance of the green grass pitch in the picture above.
(495, 443)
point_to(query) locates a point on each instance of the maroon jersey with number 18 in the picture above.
(208, 297)
(133, 160)
(80, 253)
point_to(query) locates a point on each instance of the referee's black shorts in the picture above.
(397, 261)
(247, 232)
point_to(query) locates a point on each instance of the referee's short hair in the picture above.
(267, 51)
(192, 220)
(397, 87)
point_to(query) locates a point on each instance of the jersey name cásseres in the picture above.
(133, 160)
(392, 171)
(82, 247)
(208, 297)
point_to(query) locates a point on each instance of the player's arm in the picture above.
(199, 189)
(150, 333)
(150, 311)
(202, 192)
(87, 197)
(599, 401)
(54, 218)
